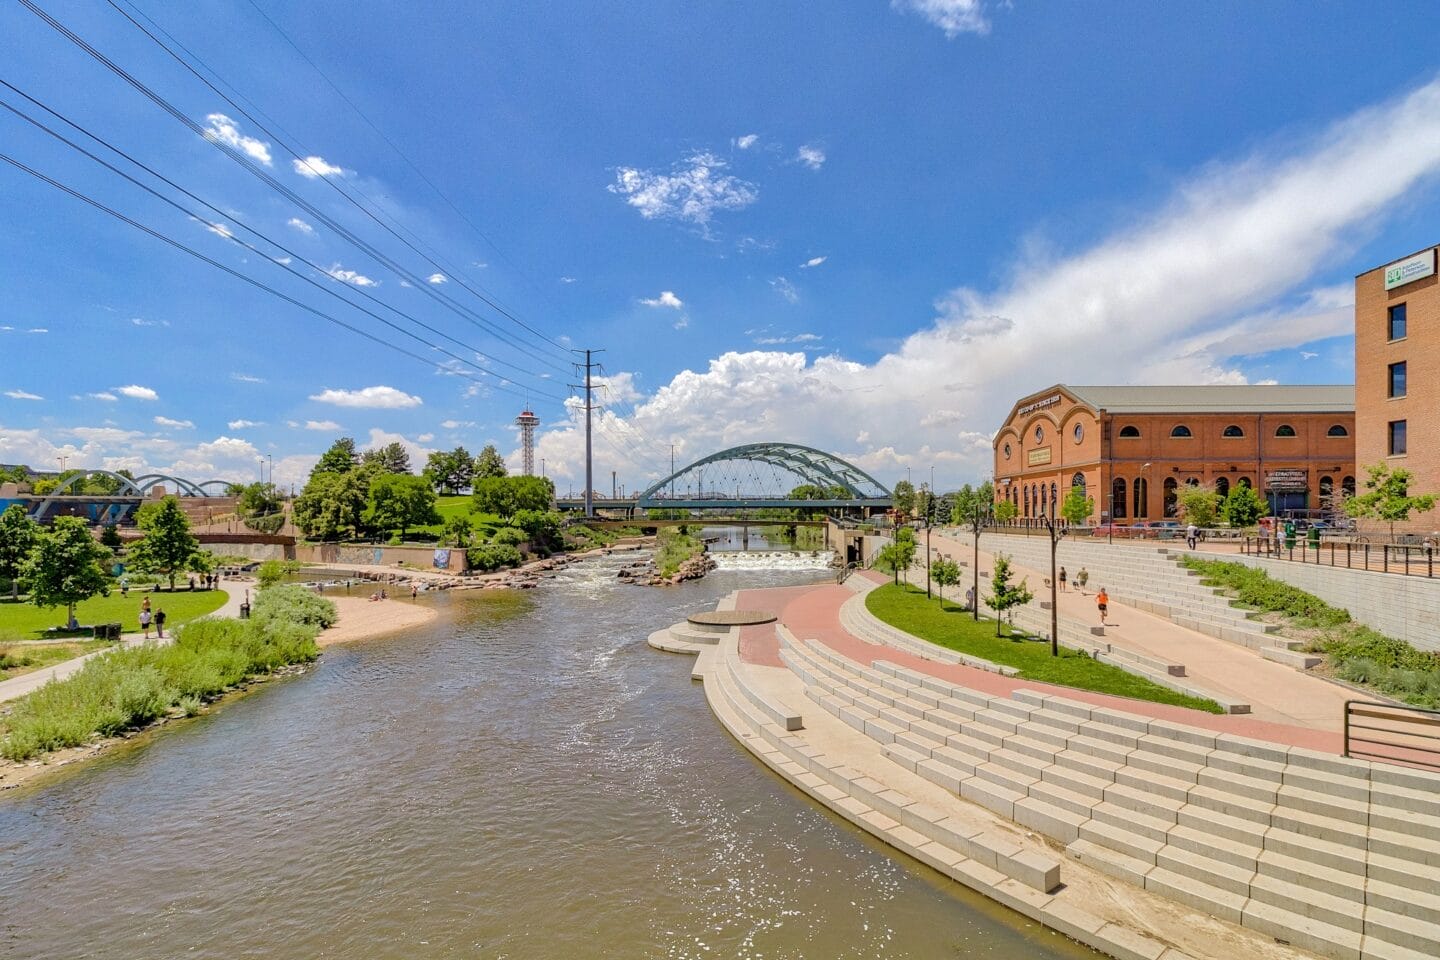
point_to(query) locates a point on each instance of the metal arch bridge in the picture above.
(800, 464)
(113, 508)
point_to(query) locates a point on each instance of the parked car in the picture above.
(1158, 529)
(1111, 530)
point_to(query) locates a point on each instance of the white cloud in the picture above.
(38, 330)
(22, 395)
(328, 425)
(378, 397)
(797, 338)
(104, 395)
(747, 141)
(246, 378)
(425, 438)
(953, 16)
(1308, 355)
(682, 322)
(786, 289)
(142, 322)
(174, 424)
(811, 155)
(312, 167)
(567, 279)
(456, 424)
(350, 276)
(222, 129)
(667, 298)
(437, 278)
(243, 424)
(298, 224)
(693, 191)
(813, 262)
(219, 229)
(136, 392)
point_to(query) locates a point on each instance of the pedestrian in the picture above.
(1082, 577)
(1192, 533)
(145, 619)
(1102, 600)
(414, 591)
(1063, 579)
(124, 586)
(145, 604)
(160, 624)
(969, 598)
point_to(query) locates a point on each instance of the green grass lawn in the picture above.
(25, 621)
(483, 524)
(26, 658)
(908, 608)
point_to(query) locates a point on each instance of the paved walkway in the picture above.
(814, 613)
(25, 683)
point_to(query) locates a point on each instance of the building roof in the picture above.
(1220, 398)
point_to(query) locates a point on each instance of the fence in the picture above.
(1399, 558)
(1392, 733)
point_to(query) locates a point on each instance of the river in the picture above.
(523, 778)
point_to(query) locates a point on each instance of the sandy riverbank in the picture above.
(362, 618)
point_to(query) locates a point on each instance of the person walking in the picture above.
(1102, 601)
(145, 618)
(1082, 577)
(1192, 533)
(160, 624)
(1062, 578)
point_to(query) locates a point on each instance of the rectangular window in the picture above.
(1397, 438)
(1397, 322)
(1397, 379)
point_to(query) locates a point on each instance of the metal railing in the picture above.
(844, 572)
(1392, 733)
(1399, 558)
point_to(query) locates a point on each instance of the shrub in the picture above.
(494, 556)
(293, 604)
(270, 573)
(509, 536)
(1255, 588)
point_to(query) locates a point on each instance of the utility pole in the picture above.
(589, 410)
(672, 471)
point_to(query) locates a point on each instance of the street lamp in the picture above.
(929, 523)
(977, 523)
(1056, 532)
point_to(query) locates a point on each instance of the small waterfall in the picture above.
(773, 560)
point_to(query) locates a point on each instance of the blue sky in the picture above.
(866, 226)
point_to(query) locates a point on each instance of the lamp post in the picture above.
(1143, 468)
(929, 523)
(977, 522)
(1057, 532)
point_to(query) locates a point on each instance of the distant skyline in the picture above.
(867, 226)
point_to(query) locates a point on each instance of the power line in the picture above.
(215, 227)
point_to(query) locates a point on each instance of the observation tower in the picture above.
(527, 422)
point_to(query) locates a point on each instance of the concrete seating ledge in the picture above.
(856, 618)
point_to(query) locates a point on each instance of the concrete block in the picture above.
(1255, 749)
(1071, 920)
(1301, 931)
(1126, 721)
(940, 774)
(1121, 839)
(991, 795)
(1311, 876)
(1021, 897)
(1126, 944)
(1307, 902)
(1186, 889)
(1373, 948)
(1417, 902)
(1049, 819)
(977, 876)
(1402, 931)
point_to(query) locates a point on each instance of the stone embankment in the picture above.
(644, 573)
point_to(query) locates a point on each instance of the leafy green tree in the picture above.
(1005, 595)
(168, 546)
(1199, 505)
(18, 536)
(110, 537)
(1243, 506)
(457, 530)
(503, 496)
(489, 463)
(1388, 498)
(450, 471)
(391, 458)
(258, 500)
(44, 486)
(340, 458)
(332, 505)
(400, 500)
(16, 474)
(1076, 507)
(66, 567)
(903, 497)
(946, 573)
(542, 527)
(1005, 511)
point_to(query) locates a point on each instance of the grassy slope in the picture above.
(24, 621)
(907, 608)
(27, 658)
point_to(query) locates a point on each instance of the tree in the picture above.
(1243, 506)
(946, 573)
(168, 546)
(258, 500)
(542, 527)
(1388, 498)
(903, 497)
(1199, 505)
(1005, 511)
(400, 500)
(391, 458)
(66, 567)
(489, 463)
(457, 530)
(450, 471)
(1076, 507)
(18, 536)
(1004, 595)
(340, 458)
(331, 505)
(503, 496)
(110, 537)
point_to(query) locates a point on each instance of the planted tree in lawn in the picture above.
(1388, 498)
(391, 458)
(457, 530)
(1199, 505)
(1005, 511)
(1005, 595)
(504, 496)
(400, 500)
(340, 458)
(946, 573)
(65, 567)
(18, 535)
(450, 471)
(1077, 508)
(489, 463)
(331, 505)
(903, 496)
(168, 546)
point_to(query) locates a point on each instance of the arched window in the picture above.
(1129, 432)
(1222, 486)
(1044, 500)
(1142, 496)
(1007, 451)
(1078, 480)
(1232, 431)
(1337, 431)
(1180, 430)
(1079, 432)
(1284, 430)
(1347, 487)
(1117, 497)
(1192, 482)
(1172, 497)
(1039, 434)
(1327, 491)
(1243, 482)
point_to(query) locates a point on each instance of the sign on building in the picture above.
(1418, 267)
(1036, 458)
(1287, 481)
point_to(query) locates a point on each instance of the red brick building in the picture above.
(1133, 447)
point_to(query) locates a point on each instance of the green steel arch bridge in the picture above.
(113, 508)
(757, 476)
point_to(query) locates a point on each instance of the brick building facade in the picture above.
(1133, 447)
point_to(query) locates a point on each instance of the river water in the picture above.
(524, 778)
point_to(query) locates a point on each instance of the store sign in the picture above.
(1037, 457)
(1287, 481)
(1039, 405)
(1418, 267)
